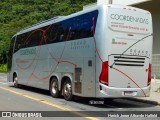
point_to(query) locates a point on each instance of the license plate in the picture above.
(128, 93)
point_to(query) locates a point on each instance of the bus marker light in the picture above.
(149, 75)
(130, 35)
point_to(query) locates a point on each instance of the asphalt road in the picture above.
(38, 100)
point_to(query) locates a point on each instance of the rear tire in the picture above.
(67, 90)
(54, 88)
(15, 81)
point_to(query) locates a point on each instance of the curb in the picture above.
(144, 100)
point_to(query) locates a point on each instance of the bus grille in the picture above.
(129, 61)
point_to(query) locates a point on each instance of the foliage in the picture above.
(3, 68)
(18, 14)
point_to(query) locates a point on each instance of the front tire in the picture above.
(67, 90)
(54, 88)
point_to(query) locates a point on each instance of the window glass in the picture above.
(9, 54)
(81, 27)
(32, 39)
(18, 43)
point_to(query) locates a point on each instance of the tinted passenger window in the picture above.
(18, 44)
(32, 39)
(81, 27)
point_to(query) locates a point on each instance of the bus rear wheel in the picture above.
(67, 90)
(54, 88)
(15, 81)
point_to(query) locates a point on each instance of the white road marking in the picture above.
(2, 83)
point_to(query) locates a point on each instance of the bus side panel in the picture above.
(19, 68)
(79, 60)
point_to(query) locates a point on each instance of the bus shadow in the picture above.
(99, 103)
(33, 89)
(117, 103)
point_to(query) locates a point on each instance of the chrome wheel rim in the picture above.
(15, 81)
(54, 87)
(67, 90)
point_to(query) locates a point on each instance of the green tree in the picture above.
(18, 14)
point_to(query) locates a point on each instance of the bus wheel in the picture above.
(67, 90)
(54, 88)
(15, 81)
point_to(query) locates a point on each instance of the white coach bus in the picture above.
(101, 52)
